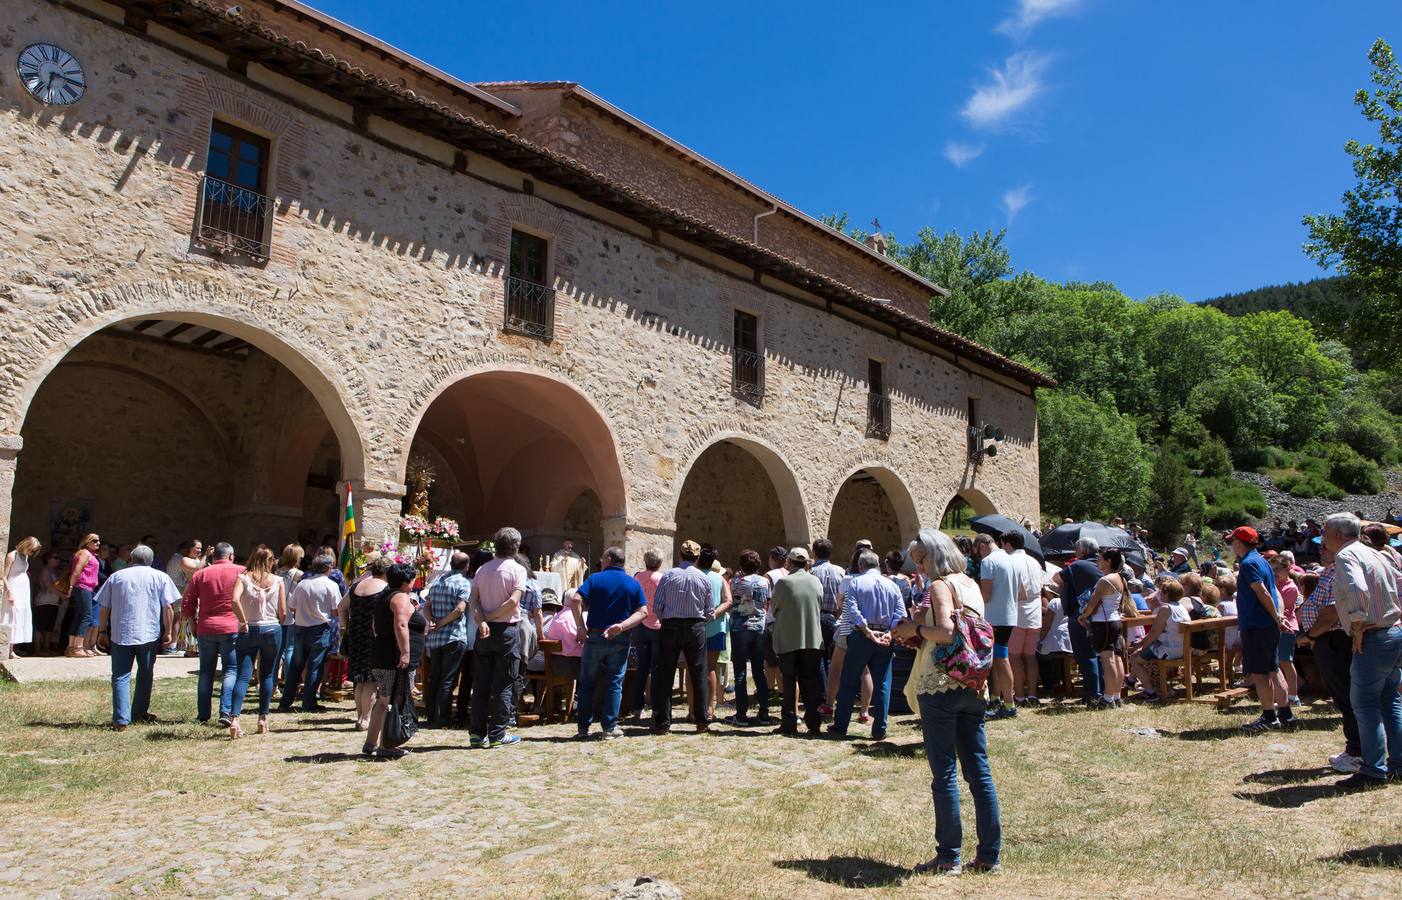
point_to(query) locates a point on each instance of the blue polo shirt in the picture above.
(1254, 569)
(612, 595)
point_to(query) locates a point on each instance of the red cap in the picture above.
(1247, 535)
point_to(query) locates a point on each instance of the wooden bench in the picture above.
(1226, 698)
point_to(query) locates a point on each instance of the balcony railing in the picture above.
(878, 416)
(530, 309)
(747, 376)
(233, 219)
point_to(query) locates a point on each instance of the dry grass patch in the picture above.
(1089, 807)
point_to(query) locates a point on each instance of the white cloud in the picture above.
(1030, 13)
(1015, 200)
(1010, 89)
(962, 154)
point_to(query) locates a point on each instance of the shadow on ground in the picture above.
(886, 750)
(1288, 776)
(1221, 733)
(848, 871)
(1381, 856)
(324, 758)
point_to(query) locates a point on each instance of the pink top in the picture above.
(562, 629)
(496, 582)
(87, 579)
(1289, 599)
(649, 582)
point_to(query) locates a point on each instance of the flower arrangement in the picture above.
(445, 528)
(416, 527)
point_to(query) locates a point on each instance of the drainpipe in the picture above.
(761, 216)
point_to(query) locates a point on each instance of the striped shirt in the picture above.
(1323, 595)
(1365, 588)
(830, 576)
(444, 595)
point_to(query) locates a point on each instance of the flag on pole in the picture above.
(347, 548)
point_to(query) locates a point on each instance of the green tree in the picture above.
(1175, 504)
(1093, 464)
(1364, 241)
(966, 267)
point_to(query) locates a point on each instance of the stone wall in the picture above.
(387, 287)
(577, 129)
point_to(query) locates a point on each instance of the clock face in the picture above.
(51, 74)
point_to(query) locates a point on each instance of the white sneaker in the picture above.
(1345, 763)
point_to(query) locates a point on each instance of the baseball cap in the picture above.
(1181, 552)
(1246, 534)
(691, 548)
(863, 544)
(548, 597)
(798, 555)
(717, 567)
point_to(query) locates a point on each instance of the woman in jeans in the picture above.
(260, 598)
(750, 591)
(951, 715)
(289, 570)
(82, 578)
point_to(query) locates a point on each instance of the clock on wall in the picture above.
(52, 74)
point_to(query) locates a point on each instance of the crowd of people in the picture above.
(816, 639)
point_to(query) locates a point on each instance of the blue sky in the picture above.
(1161, 146)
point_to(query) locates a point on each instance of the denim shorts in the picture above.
(1285, 650)
(1260, 650)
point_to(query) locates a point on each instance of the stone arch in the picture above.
(978, 501)
(792, 503)
(260, 320)
(541, 394)
(897, 493)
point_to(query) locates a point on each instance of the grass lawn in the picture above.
(1090, 807)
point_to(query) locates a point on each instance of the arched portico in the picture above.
(872, 503)
(171, 411)
(738, 491)
(522, 446)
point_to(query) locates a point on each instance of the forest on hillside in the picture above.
(1321, 301)
(1159, 399)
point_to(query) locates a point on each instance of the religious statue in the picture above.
(419, 477)
(568, 565)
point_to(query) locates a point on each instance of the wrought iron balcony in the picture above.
(747, 376)
(878, 416)
(233, 219)
(530, 309)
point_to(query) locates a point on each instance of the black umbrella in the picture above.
(1060, 542)
(997, 526)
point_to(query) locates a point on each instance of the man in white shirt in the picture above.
(313, 604)
(1001, 581)
(1366, 600)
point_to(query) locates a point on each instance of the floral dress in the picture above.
(360, 638)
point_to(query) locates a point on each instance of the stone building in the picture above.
(251, 253)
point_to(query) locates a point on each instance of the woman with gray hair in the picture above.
(951, 715)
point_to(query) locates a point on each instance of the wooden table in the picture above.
(1188, 629)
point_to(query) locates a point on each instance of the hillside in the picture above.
(1309, 300)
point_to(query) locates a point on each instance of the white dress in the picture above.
(16, 612)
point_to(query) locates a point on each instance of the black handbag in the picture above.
(401, 722)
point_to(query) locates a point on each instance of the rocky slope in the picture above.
(1287, 507)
